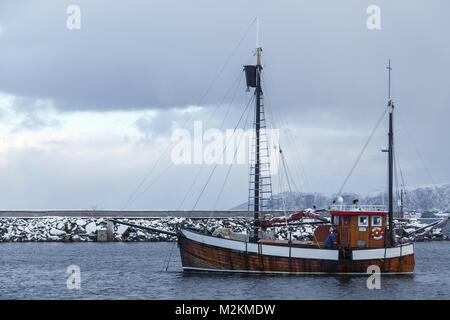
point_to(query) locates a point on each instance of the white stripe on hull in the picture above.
(382, 253)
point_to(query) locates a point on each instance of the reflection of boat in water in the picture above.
(364, 234)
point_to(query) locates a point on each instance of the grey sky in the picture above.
(148, 61)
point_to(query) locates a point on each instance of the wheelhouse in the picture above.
(360, 226)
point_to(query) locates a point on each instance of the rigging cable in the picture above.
(229, 58)
(361, 153)
(283, 162)
(301, 175)
(290, 139)
(280, 181)
(215, 166)
(167, 261)
(282, 158)
(397, 191)
(288, 174)
(403, 184)
(416, 149)
(132, 197)
(235, 87)
(231, 164)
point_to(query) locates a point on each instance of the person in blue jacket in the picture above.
(330, 241)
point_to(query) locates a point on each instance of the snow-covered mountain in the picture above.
(424, 199)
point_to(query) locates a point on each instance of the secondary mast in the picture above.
(391, 162)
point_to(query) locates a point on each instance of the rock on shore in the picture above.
(66, 229)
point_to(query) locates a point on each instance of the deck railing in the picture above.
(363, 208)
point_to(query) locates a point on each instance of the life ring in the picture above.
(377, 233)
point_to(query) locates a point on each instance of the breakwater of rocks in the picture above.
(79, 229)
(83, 229)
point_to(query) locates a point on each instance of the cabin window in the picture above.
(376, 221)
(335, 220)
(363, 221)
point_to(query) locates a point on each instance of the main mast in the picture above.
(258, 93)
(253, 75)
(260, 185)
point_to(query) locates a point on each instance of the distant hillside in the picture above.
(424, 199)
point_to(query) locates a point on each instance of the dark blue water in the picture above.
(137, 271)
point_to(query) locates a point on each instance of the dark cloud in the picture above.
(323, 69)
(165, 54)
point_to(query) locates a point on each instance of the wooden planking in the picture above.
(349, 233)
(321, 233)
(262, 247)
(377, 243)
(198, 255)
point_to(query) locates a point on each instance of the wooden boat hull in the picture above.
(199, 255)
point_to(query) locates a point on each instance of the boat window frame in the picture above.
(376, 225)
(365, 224)
(336, 220)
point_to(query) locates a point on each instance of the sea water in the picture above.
(152, 270)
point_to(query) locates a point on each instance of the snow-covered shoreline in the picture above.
(65, 229)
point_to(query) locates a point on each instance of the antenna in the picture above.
(389, 88)
(257, 32)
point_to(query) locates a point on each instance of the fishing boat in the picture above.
(364, 234)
